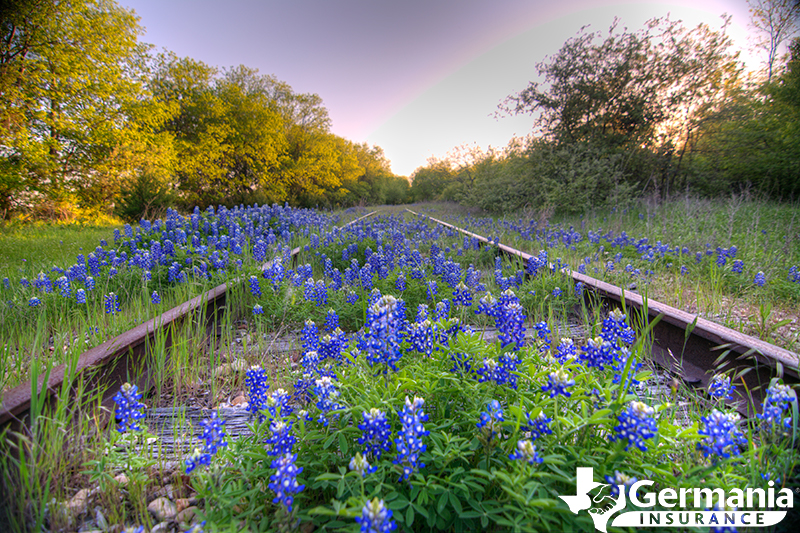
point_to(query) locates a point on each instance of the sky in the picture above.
(415, 77)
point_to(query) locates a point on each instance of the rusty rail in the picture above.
(687, 344)
(120, 357)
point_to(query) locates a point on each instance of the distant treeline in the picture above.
(91, 121)
(624, 115)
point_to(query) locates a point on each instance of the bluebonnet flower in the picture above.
(331, 320)
(557, 383)
(155, 298)
(720, 387)
(597, 353)
(442, 310)
(498, 373)
(620, 479)
(510, 320)
(408, 443)
(64, 287)
(421, 337)
(360, 464)
(281, 440)
(255, 288)
(89, 283)
(760, 279)
(80, 296)
(258, 310)
(535, 428)
(636, 423)
(375, 433)
(309, 290)
(462, 295)
(129, 408)
(616, 329)
(777, 400)
(722, 437)
(400, 283)
(432, 289)
(331, 346)
(310, 336)
(556, 292)
(385, 320)
(284, 480)
(684, 270)
(277, 404)
(565, 351)
(6, 283)
(543, 333)
(579, 289)
(376, 518)
(34, 302)
(327, 393)
(490, 422)
(352, 297)
(738, 266)
(526, 451)
(112, 304)
(794, 275)
(256, 382)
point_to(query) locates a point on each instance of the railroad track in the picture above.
(116, 359)
(687, 345)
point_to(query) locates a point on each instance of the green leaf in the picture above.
(410, 515)
(455, 502)
(343, 444)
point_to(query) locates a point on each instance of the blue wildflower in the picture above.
(777, 400)
(376, 432)
(360, 464)
(255, 288)
(129, 409)
(155, 298)
(331, 320)
(326, 393)
(535, 428)
(34, 302)
(760, 279)
(376, 518)
(80, 296)
(543, 333)
(556, 292)
(636, 423)
(722, 437)
(526, 451)
(112, 304)
(490, 422)
(620, 480)
(256, 382)
(565, 351)
(284, 480)
(258, 309)
(557, 383)
(408, 443)
(720, 387)
(281, 440)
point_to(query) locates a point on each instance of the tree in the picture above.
(72, 93)
(641, 94)
(777, 22)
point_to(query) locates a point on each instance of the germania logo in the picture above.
(684, 507)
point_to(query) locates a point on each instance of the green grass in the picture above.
(27, 250)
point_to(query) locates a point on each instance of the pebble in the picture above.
(162, 509)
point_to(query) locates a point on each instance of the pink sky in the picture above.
(416, 77)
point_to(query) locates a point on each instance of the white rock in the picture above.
(162, 509)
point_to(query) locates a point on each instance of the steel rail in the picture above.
(113, 361)
(687, 344)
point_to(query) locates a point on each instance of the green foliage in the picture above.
(147, 197)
